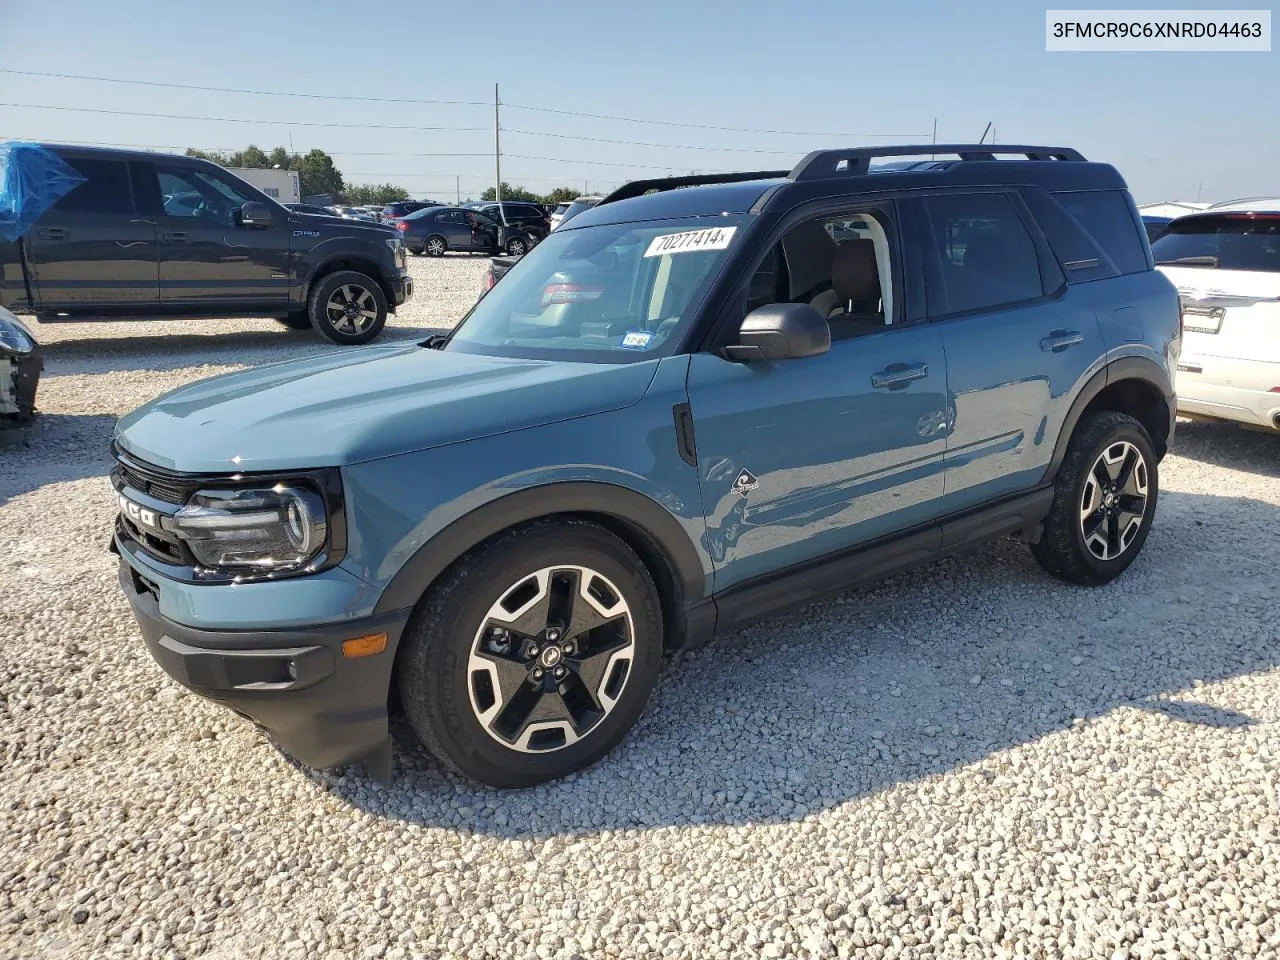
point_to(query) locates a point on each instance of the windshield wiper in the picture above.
(435, 342)
(1193, 261)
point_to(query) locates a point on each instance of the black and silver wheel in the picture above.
(534, 655)
(1104, 502)
(517, 246)
(434, 246)
(348, 307)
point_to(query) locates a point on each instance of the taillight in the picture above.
(489, 280)
(402, 226)
(569, 293)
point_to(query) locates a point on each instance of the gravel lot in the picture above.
(970, 760)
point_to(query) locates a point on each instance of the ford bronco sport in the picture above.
(704, 401)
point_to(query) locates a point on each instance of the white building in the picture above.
(1170, 208)
(281, 185)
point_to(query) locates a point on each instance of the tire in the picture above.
(1090, 535)
(517, 246)
(468, 684)
(329, 299)
(434, 246)
(296, 321)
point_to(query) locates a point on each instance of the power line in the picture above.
(464, 103)
(259, 93)
(278, 123)
(637, 143)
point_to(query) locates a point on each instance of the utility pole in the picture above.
(497, 156)
(934, 142)
(457, 184)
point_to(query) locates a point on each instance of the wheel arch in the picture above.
(644, 525)
(353, 261)
(1133, 385)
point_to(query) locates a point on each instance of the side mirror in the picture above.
(780, 331)
(255, 214)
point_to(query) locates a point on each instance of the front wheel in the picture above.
(534, 655)
(1104, 501)
(348, 307)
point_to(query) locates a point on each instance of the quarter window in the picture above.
(105, 190)
(987, 256)
(1106, 215)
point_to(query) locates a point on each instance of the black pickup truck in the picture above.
(150, 235)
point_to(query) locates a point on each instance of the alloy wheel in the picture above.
(1114, 501)
(551, 659)
(351, 308)
(435, 247)
(516, 248)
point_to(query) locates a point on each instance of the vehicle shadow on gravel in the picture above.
(947, 666)
(1227, 445)
(177, 350)
(58, 448)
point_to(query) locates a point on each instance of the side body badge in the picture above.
(745, 483)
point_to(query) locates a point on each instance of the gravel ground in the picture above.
(970, 760)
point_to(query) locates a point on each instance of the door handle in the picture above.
(52, 233)
(1059, 340)
(898, 375)
(176, 237)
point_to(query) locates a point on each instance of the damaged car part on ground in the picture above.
(683, 411)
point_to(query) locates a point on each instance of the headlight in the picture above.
(280, 528)
(13, 338)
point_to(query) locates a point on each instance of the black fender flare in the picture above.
(1125, 368)
(637, 512)
(312, 268)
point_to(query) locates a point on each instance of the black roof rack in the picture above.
(828, 163)
(637, 188)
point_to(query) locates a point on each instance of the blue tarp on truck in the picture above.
(32, 179)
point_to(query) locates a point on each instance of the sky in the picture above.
(788, 78)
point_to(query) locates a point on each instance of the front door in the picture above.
(93, 251)
(207, 258)
(800, 459)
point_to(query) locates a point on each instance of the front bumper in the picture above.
(323, 709)
(401, 288)
(19, 377)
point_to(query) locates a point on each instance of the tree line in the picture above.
(318, 175)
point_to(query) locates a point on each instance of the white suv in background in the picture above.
(567, 211)
(1225, 262)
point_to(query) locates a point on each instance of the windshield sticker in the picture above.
(636, 339)
(716, 238)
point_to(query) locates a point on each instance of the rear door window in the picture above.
(987, 257)
(105, 190)
(1106, 216)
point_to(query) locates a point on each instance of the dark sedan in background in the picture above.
(438, 230)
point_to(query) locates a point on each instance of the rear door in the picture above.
(93, 251)
(1016, 342)
(207, 259)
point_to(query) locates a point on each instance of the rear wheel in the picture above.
(534, 655)
(1104, 501)
(348, 307)
(517, 246)
(434, 246)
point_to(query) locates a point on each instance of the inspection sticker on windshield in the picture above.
(636, 339)
(716, 238)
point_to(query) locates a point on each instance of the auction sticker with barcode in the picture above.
(716, 238)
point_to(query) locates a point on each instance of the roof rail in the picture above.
(828, 163)
(637, 188)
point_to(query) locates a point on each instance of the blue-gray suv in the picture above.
(704, 401)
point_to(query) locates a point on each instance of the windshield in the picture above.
(613, 293)
(1230, 241)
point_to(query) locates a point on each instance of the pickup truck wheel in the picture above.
(434, 246)
(348, 307)
(534, 655)
(296, 321)
(1104, 501)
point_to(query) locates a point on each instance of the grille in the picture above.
(169, 492)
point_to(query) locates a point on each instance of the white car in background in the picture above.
(567, 211)
(1225, 262)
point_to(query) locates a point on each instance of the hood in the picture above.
(366, 403)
